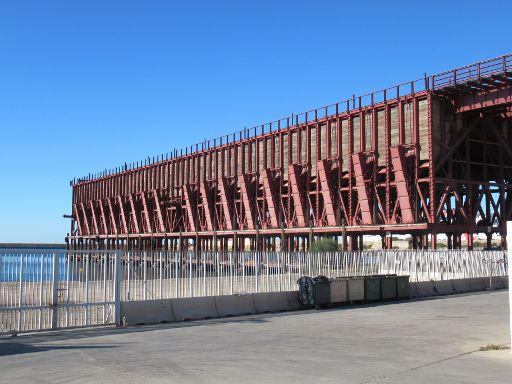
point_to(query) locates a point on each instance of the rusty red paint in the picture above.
(451, 174)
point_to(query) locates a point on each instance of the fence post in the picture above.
(55, 290)
(144, 274)
(20, 294)
(218, 271)
(161, 255)
(230, 273)
(117, 288)
(509, 260)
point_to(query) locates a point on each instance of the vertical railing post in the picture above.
(55, 290)
(289, 270)
(117, 288)
(87, 259)
(279, 272)
(217, 263)
(144, 272)
(243, 272)
(161, 254)
(20, 293)
(230, 273)
(178, 262)
(204, 272)
(267, 275)
(105, 275)
(68, 267)
(41, 290)
(256, 269)
(329, 265)
(190, 293)
(509, 260)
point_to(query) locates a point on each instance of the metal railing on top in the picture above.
(473, 72)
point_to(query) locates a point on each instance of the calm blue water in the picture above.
(36, 266)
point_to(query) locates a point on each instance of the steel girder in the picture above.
(436, 161)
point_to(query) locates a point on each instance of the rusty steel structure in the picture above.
(427, 157)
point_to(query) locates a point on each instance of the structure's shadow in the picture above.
(15, 348)
(81, 333)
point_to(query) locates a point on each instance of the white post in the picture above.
(509, 260)
(55, 290)
(20, 294)
(117, 288)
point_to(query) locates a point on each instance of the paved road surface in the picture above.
(424, 341)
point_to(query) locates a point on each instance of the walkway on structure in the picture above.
(415, 341)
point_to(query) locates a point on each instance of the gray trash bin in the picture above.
(372, 290)
(355, 289)
(388, 287)
(339, 291)
(314, 291)
(306, 295)
(322, 291)
(402, 287)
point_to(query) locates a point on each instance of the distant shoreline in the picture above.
(33, 245)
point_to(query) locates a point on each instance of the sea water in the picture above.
(37, 266)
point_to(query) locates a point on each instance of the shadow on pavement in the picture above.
(72, 334)
(15, 348)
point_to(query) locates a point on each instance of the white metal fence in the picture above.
(161, 274)
(57, 289)
(50, 289)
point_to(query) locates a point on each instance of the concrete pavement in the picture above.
(422, 341)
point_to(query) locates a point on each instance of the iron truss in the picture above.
(420, 162)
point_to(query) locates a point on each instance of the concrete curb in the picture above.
(350, 290)
(423, 289)
(147, 312)
(461, 285)
(293, 300)
(477, 284)
(194, 308)
(234, 305)
(271, 302)
(443, 287)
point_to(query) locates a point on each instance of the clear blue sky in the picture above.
(88, 85)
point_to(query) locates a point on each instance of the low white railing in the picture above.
(164, 274)
(61, 289)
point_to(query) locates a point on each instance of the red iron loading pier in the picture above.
(431, 156)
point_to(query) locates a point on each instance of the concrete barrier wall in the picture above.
(448, 287)
(146, 312)
(500, 282)
(235, 305)
(422, 289)
(197, 308)
(194, 308)
(444, 287)
(293, 300)
(272, 302)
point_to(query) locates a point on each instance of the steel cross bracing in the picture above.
(420, 162)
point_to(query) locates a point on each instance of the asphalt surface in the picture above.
(423, 341)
